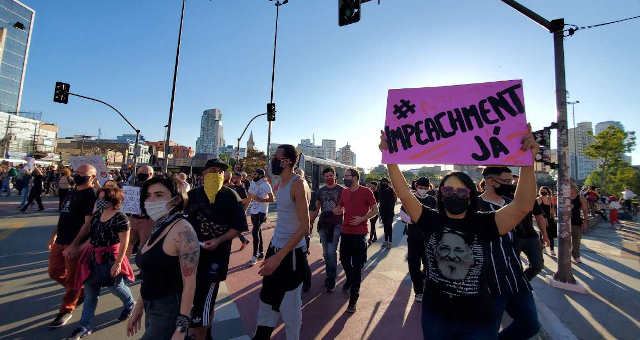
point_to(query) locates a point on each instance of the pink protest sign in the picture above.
(478, 124)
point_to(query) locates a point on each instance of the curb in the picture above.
(551, 326)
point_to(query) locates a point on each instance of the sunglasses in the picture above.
(460, 192)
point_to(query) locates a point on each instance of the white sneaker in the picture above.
(253, 261)
(577, 260)
(418, 297)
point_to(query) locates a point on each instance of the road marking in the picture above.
(12, 227)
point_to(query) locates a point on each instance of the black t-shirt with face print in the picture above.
(457, 257)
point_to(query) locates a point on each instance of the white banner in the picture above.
(131, 202)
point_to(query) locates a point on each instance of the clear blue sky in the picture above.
(330, 80)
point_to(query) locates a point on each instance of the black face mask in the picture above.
(384, 185)
(276, 166)
(455, 205)
(80, 180)
(507, 190)
(142, 177)
(257, 178)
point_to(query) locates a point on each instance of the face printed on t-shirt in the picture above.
(455, 256)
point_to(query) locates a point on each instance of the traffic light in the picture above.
(61, 93)
(348, 12)
(271, 112)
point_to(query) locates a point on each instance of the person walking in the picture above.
(260, 195)
(545, 201)
(35, 194)
(168, 263)
(283, 268)
(140, 224)
(415, 240)
(373, 236)
(102, 262)
(357, 205)
(329, 224)
(65, 183)
(388, 200)
(77, 210)
(627, 196)
(456, 302)
(217, 214)
(579, 218)
(614, 208)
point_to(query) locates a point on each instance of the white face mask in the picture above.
(156, 210)
(422, 192)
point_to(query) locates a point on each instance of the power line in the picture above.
(575, 28)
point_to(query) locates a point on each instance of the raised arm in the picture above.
(409, 201)
(510, 215)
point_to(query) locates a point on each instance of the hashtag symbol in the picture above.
(404, 108)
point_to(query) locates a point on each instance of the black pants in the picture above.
(256, 231)
(387, 222)
(353, 255)
(62, 193)
(34, 195)
(416, 257)
(372, 234)
(532, 247)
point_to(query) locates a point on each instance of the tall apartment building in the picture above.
(329, 148)
(579, 139)
(211, 134)
(604, 125)
(16, 24)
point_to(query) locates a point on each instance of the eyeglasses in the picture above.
(451, 191)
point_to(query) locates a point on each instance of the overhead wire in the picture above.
(574, 28)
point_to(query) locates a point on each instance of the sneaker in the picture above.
(126, 312)
(79, 333)
(243, 245)
(418, 297)
(553, 253)
(60, 320)
(352, 308)
(260, 256)
(577, 260)
(253, 260)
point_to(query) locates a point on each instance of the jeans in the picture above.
(256, 232)
(353, 255)
(329, 252)
(34, 195)
(437, 326)
(416, 257)
(91, 293)
(372, 235)
(160, 317)
(63, 271)
(522, 309)
(576, 237)
(6, 187)
(387, 223)
(25, 196)
(532, 247)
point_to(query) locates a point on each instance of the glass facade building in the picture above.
(16, 23)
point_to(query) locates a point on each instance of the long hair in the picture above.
(468, 182)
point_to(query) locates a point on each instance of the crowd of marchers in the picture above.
(464, 240)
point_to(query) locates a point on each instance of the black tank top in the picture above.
(161, 275)
(576, 219)
(546, 209)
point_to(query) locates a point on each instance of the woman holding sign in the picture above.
(456, 302)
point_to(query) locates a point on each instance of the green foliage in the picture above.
(609, 147)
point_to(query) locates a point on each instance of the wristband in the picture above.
(182, 323)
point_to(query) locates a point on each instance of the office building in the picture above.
(22, 136)
(346, 156)
(211, 134)
(579, 139)
(16, 24)
(604, 125)
(329, 148)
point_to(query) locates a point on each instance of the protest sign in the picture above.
(131, 202)
(31, 163)
(478, 124)
(96, 160)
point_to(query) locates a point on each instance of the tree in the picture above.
(609, 147)
(254, 160)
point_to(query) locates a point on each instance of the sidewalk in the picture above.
(611, 274)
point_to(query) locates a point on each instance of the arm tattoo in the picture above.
(188, 250)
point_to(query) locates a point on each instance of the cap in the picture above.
(217, 163)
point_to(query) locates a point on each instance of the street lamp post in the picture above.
(243, 132)
(563, 278)
(273, 70)
(575, 144)
(173, 91)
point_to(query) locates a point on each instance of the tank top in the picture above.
(287, 221)
(161, 275)
(576, 219)
(546, 209)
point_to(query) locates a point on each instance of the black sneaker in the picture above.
(79, 333)
(352, 308)
(60, 320)
(126, 312)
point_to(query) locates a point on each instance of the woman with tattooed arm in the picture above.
(168, 263)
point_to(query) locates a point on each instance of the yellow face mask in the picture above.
(212, 184)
